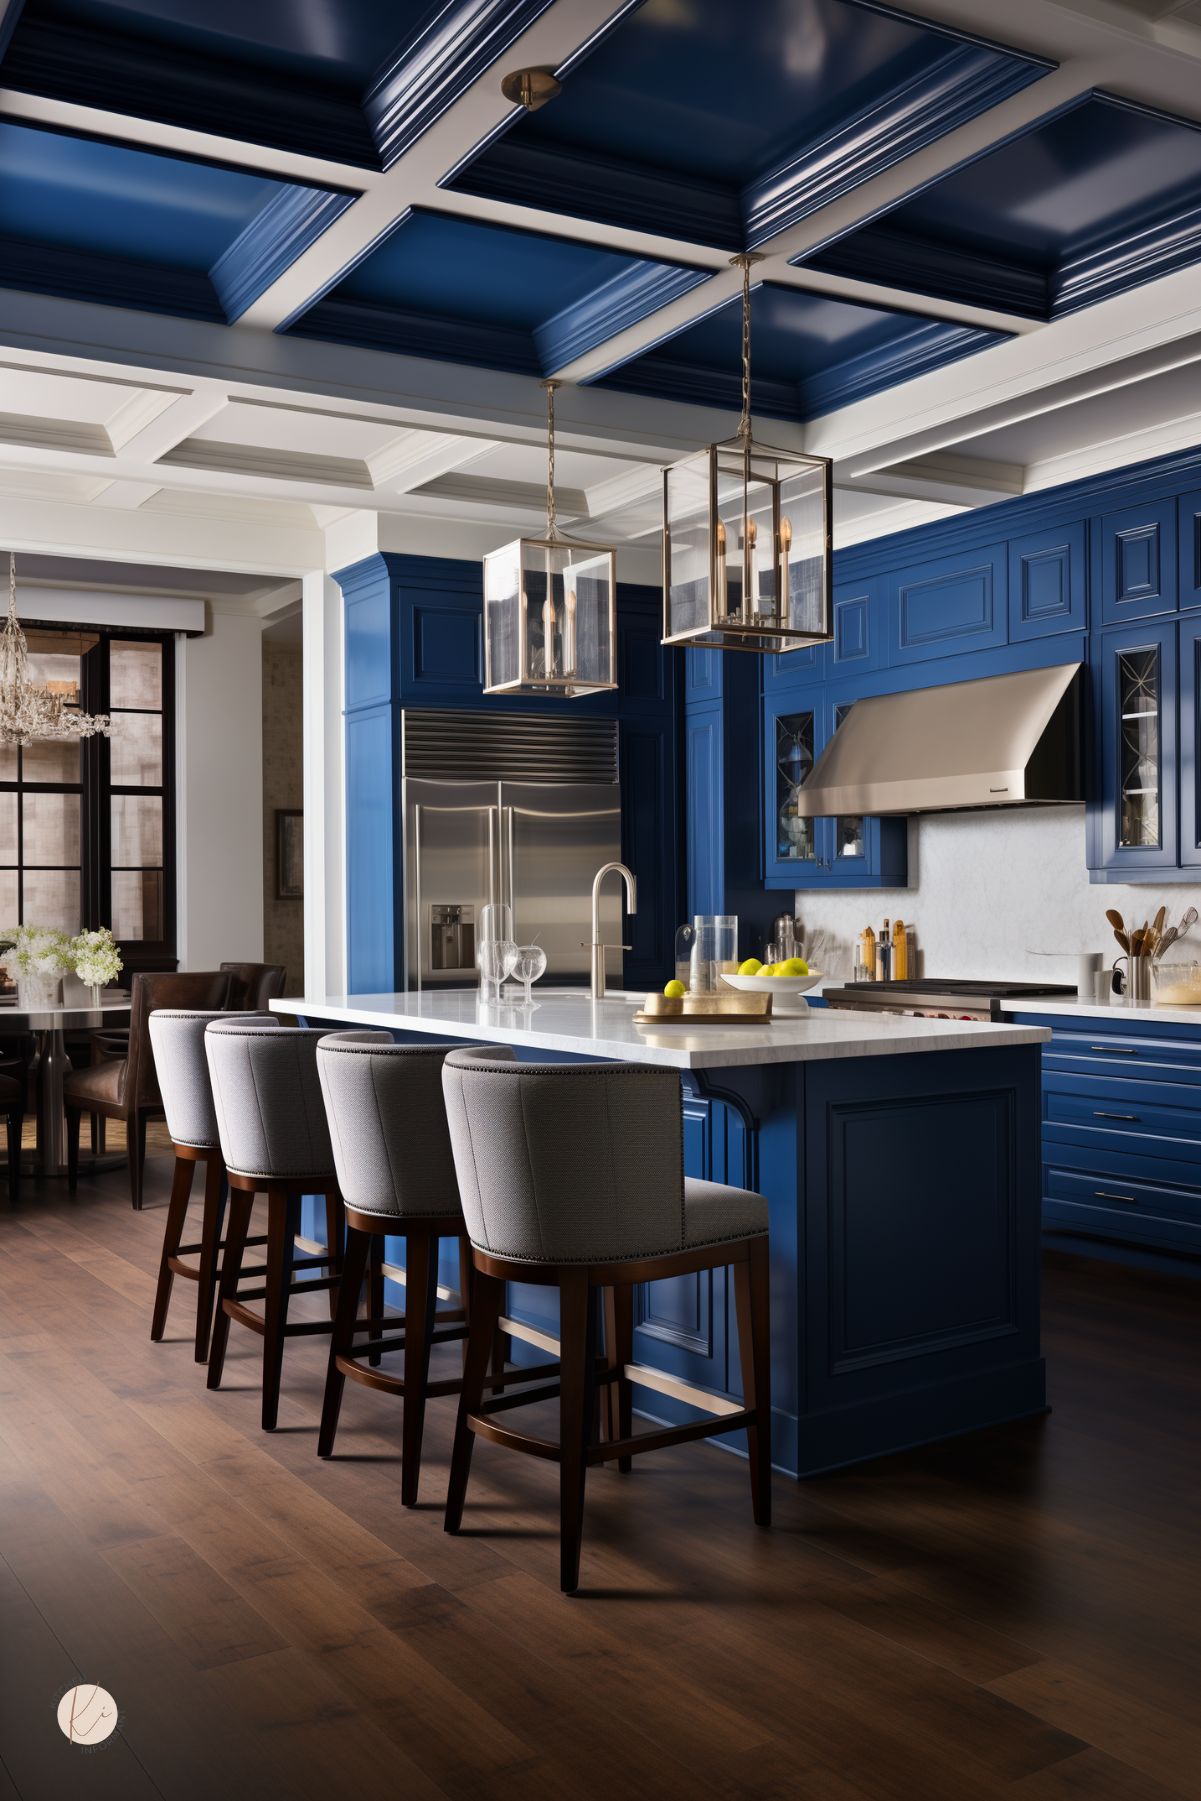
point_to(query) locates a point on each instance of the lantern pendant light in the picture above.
(747, 559)
(550, 606)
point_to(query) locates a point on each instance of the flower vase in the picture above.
(96, 993)
(37, 993)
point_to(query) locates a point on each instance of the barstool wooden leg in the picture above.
(752, 1303)
(421, 1301)
(210, 1241)
(283, 1223)
(577, 1381)
(14, 1123)
(619, 1351)
(333, 1244)
(359, 1245)
(487, 1297)
(177, 1213)
(135, 1146)
(241, 1205)
(375, 1289)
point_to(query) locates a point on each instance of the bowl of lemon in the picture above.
(788, 982)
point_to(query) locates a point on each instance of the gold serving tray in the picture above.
(729, 1009)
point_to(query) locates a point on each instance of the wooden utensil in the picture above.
(1119, 928)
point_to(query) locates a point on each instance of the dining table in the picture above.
(50, 1064)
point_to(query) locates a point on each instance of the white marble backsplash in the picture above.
(991, 890)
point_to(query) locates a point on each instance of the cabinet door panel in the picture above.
(858, 628)
(1138, 562)
(1139, 825)
(950, 605)
(794, 733)
(1188, 509)
(1190, 741)
(704, 740)
(1047, 587)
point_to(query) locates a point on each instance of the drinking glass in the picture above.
(529, 963)
(496, 929)
(496, 960)
(685, 938)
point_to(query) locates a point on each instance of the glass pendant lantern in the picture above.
(550, 606)
(747, 561)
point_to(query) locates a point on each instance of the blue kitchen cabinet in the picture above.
(1188, 540)
(1190, 743)
(791, 669)
(1136, 825)
(808, 854)
(1136, 560)
(948, 605)
(860, 628)
(723, 792)
(1048, 582)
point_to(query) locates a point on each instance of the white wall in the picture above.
(219, 787)
(990, 890)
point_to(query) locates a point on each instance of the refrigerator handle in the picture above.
(417, 812)
(511, 878)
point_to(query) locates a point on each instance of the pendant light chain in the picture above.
(744, 263)
(552, 523)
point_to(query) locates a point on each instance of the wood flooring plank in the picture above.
(208, 1619)
(1157, 1744)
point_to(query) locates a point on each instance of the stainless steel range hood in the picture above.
(1003, 741)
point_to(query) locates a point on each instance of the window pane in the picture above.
(52, 899)
(52, 760)
(138, 904)
(8, 898)
(8, 762)
(137, 830)
(8, 828)
(136, 750)
(51, 828)
(135, 675)
(52, 669)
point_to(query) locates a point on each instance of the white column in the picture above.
(324, 789)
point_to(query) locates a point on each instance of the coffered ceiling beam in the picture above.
(58, 528)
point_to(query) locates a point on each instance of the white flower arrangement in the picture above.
(95, 957)
(36, 951)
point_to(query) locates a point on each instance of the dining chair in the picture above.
(253, 985)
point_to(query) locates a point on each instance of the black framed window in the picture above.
(87, 828)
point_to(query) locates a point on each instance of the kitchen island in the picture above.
(900, 1159)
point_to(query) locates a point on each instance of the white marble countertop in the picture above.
(570, 1021)
(1116, 1010)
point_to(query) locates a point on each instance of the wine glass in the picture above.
(496, 961)
(529, 963)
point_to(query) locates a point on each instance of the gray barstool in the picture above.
(182, 1071)
(396, 1174)
(573, 1177)
(274, 1139)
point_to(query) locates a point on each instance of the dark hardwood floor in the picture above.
(1015, 1614)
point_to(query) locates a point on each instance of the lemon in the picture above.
(794, 966)
(675, 991)
(752, 967)
(773, 969)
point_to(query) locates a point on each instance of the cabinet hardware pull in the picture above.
(1103, 1194)
(1131, 1116)
(1114, 1050)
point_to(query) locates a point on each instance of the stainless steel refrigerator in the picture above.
(507, 807)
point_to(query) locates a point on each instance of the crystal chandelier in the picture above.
(28, 712)
(747, 562)
(550, 606)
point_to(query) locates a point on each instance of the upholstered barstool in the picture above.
(177, 1040)
(274, 1139)
(573, 1177)
(396, 1173)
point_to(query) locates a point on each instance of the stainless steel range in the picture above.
(939, 997)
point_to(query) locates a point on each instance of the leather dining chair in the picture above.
(253, 985)
(126, 1088)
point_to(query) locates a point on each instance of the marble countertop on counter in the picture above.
(1117, 1010)
(569, 1021)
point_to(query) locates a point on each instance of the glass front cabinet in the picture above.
(1139, 812)
(803, 853)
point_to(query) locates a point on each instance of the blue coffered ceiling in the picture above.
(706, 126)
(471, 293)
(1096, 200)
(346, 79)
(722, 123)
(100, 221)
(811, 354)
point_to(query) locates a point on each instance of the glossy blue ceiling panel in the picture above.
(98, 221)
(723, 123)
(462, 291)
(810, 354)
(352, 80)
(1096, 200)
